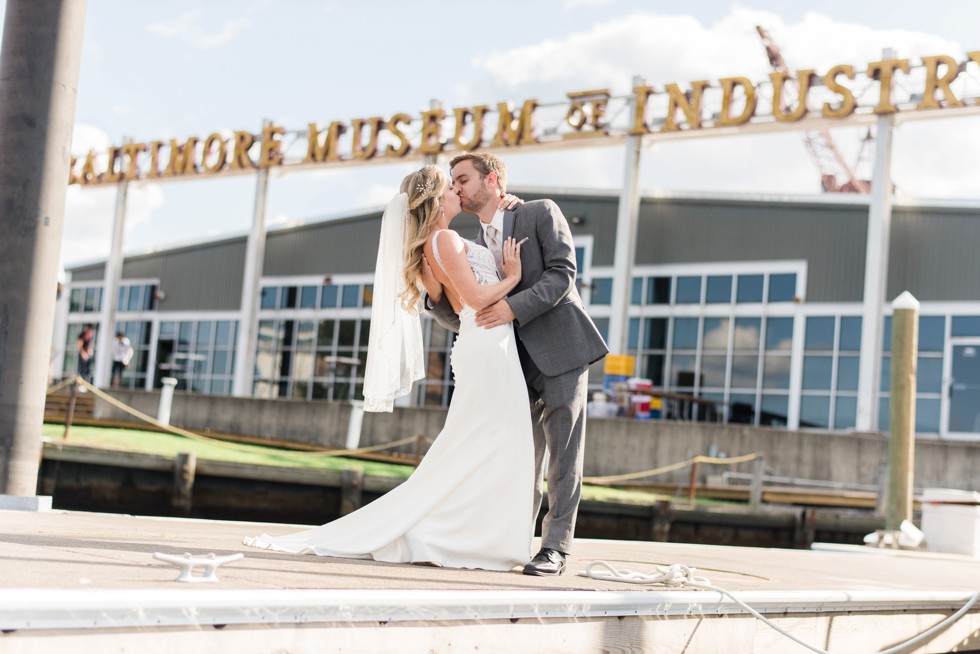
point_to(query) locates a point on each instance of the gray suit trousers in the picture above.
(558, 418)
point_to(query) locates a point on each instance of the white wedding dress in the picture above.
(469, 503)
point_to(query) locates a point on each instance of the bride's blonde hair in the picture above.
(425, 188)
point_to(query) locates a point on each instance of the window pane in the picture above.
(775, 372)
(134, 298)
(602, 290)
(749, 288)
(782, 288)
(121, 299)
(350, 295)
(845, 412)
(745, 371)
(269, 296)
(885, 383)
(656, 333)
(927, 415)
(779, 333)
(306, 334)
(819, 333)
(184, 333)
(682, 370)
(775, 409)
(204, 333)
(324, 337)
(741, 408)
(636, 291)
(715, 334)
(886, 334)
(289, 297)
(347, 333)
(220, 362)
(307, 297)
(149, 297)
(688, 290)
(225, 334)
(850, 334)
(815, 411)
(713, 370)
(90, 300)
(654, 370)
(932, 333)
(365, 332)
(303, 368)
(632, 334)
(328, 296)
(747, 332)
(75, 300)
(368, 294)
(966, 326)
(658, 290)
(847, 373)
(685, 333)
(719, 290)
(168, 329)
(929, 375)
(816, 372)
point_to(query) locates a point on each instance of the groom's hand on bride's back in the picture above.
(495, 315)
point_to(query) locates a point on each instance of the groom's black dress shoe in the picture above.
(546, 563)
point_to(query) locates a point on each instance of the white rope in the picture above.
(682, 575)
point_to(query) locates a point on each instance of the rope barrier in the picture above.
(237, 446)
(64, 383)
(681, 575)
(674, 466)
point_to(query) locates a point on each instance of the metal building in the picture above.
(754, 302)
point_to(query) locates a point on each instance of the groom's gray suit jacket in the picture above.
(551, 322)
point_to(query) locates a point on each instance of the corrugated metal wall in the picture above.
(935, 252)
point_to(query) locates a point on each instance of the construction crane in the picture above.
(836, 176)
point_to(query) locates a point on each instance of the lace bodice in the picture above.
(479, 257)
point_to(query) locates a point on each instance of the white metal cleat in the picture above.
(187, 563)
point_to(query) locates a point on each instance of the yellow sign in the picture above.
(586, 116)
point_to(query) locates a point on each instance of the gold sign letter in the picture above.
(523, 133)
(478, 113)
(182, 158)
(848, 104)
(132, 150)
(271, 146)
(882, 71)
(640, 95)
(781, 112)
(371, 149)
(728, 85)
(221, 156)
(934, 82)
(691, 107)
(431, 130)
(403, 148)
(328, 151)
(587, 108)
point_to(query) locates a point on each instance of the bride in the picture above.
(469, 503)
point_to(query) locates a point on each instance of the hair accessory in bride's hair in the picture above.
(422, 188)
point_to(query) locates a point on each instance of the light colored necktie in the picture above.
(493, 242)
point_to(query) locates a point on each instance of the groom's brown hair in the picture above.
(485, 163)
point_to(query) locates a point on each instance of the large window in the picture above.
(199, 354)
(138, 332)
(929, 374)
(831, 354)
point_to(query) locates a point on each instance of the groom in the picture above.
(556, 339)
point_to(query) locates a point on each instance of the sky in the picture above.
(157, 70)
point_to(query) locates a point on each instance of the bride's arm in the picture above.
(454, 262)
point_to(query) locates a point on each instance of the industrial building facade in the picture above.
(755, 303)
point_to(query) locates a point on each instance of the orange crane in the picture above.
(836, 176)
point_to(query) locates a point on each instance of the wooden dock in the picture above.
(85, 582)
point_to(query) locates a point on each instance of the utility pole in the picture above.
(39, 65)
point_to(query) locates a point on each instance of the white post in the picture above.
(251, 287)
(626, 221)
(110, 288)
(166, 399)
(354, 425)
(875, 272)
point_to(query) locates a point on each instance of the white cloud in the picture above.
(188, 28)
(678, 48)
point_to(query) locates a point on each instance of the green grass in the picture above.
(169, 445)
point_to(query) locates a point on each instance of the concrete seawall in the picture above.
(613, 447)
